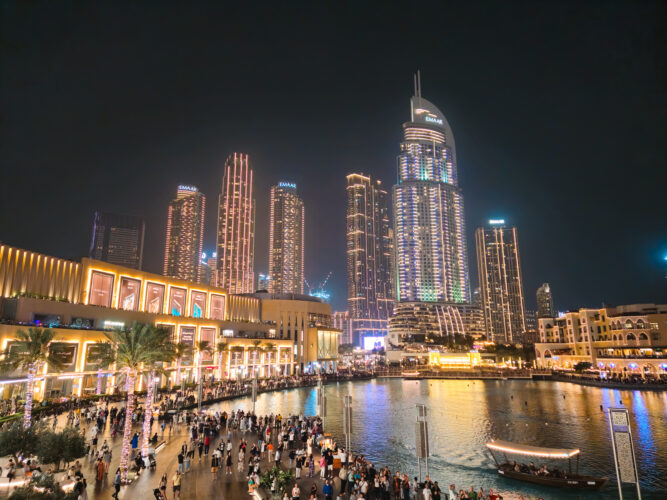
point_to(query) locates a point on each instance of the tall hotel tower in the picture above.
(236, 227)
(369, 258)
(286, 240)
(429, 231)
(185, 234)
(118, 239)
(500, 282)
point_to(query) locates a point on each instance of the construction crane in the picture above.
(319, 291)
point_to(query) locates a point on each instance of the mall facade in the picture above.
(82, 300)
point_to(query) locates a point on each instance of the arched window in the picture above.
(631, 336)
(643, 336)
(629, 324)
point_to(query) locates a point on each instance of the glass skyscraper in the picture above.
(429, 228)
(286, 240)
(236, 227)
(185, 234)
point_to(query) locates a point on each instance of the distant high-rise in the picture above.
(500, 282)
(369, 256)
(545, 302)
(236, 227)
(118, 239)
(263, 281)
(341, 320)
(429, 229)
(185, 234)
(286, 240)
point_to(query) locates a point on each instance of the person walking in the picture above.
(176, 485)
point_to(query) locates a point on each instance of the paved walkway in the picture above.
(198, 483)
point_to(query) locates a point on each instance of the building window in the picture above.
(101, 286)
(177, 301)
(217, 306)
(128, 299)
(197, 304)
(188, 338)
(207, 335)
(154, 298)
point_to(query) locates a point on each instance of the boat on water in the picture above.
(543, 475)
(411, 375)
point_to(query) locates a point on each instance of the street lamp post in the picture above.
(347, 422)
(421, 438)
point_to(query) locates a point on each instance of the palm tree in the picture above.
(181, 350)
(270, 348)
(221, 348)
(136, 348)
(203, 346)
(31, 351)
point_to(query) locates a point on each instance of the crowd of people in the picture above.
(297, 444)
(246, 446)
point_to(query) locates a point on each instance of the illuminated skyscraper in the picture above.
(500, 282)
(369, 257)
(429, 231)
(545, 302)
(236, 227)
(118, 239)
(185, 234)
(286, 240)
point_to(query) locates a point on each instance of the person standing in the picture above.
(116, 483)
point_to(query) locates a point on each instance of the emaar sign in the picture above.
(433, 120)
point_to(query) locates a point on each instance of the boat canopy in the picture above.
(534, 451)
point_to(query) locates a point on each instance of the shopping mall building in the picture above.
(266, 334)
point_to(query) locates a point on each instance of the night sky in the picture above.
(558, 113)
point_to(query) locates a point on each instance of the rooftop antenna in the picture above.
(419, 84)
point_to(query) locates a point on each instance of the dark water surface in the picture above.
(463, 415)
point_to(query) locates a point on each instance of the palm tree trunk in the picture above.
(178, 372)
(127, 432)
(29, 391)
(148, 407)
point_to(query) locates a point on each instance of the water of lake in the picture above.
(463, 415)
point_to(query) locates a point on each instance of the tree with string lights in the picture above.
(31, 352)
(134, 351)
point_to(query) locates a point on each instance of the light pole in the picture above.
(421, 438)
(347, 422)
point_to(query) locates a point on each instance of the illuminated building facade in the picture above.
(369, 258)
(500, 282)
(286, 240)
(623, 340)
(341, 321)
(236, 227)
(263, 281)
(118, 239)
(545, 302)
(185, 234)
(429, 231)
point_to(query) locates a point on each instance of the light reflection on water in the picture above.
(464, 414)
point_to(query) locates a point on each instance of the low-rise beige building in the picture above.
(630, 339)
